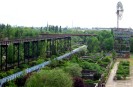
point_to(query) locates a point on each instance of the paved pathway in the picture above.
(119, 83)
(111, 82)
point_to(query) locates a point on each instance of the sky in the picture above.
(67, 13)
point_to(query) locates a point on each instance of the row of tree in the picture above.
(11, 32)
(103, 41)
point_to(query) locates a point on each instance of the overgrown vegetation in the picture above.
(123, 70)
(63, 73)
(92, 66)
(50, 78)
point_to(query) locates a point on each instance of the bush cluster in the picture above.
(50, 78)
(123, 70)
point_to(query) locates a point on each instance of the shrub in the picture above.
(54, 63)
(91, 81)
(11, 71)
(125, 63)
(23, 66)
(3, 74)
(50, 78)
(32, 63)
(123, 70)
(34, 79)
(17, 69)
(40, 60)
(106, 59)
(9, 84)
(92, 66)
(73, 69)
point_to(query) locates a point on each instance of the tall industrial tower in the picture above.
(121, 36)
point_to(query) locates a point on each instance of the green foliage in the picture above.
(16, 32)
(73, 69)
(106, 40)
(92, 66)
(11, 71)
(10, 55)
(34, 80)
(40, 60)
(108, 44)
(50, 78)
(17, 69)
(3, 74)
(24, 66)
(91, 81)
(123, 70)
(75, 58)
(43, 50)
(11, 84)
(131, 44)
(106, 59)
(32, 63)
(54, 63)
(93, 45)
(113, 54)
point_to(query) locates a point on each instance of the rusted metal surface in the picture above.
(43, 34)
(6, 42)
(122, 41)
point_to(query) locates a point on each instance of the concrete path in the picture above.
(120, 83)
(111, 82)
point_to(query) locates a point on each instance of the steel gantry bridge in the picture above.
(30, 47)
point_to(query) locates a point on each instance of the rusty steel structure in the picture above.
(39, 66)
(122, 41)
(54, 44)
(121, 36)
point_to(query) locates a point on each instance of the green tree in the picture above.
(60, 30)
(105, 39)
(50, 78)
(93, 44)
(108, 44)
(73, 69)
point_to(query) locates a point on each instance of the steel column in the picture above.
(35, 51)
(53, 47)
(48, 48)
(4, 58)
(16, 50)
(26, 51)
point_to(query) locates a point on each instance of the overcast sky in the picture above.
(82, 13)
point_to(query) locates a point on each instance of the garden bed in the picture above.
(123, 71)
